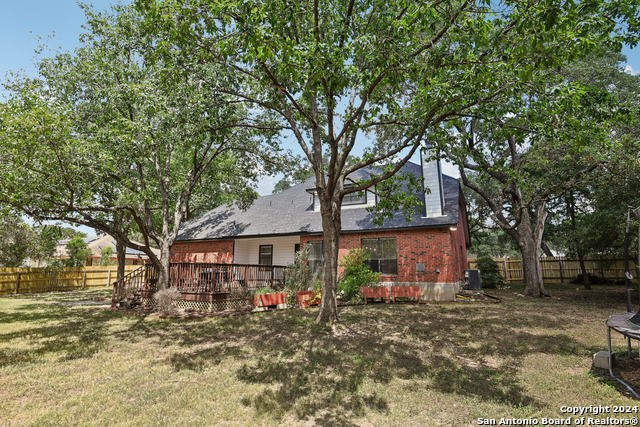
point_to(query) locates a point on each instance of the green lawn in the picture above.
(383, 365)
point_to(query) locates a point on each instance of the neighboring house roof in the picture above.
(291, 213)
(97, 243)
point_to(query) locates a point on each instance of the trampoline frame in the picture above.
(628, 335)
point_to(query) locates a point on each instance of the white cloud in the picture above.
(449, 169)
(629, 70)
(266, 184)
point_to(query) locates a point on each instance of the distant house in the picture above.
(97, 243)
(430, 250)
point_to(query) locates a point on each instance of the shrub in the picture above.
(356, 274)
(241, 292)
(165, 298)
(297, 274)
(489, 272)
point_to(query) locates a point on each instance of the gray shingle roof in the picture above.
(291, 212)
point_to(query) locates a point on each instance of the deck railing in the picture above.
(130, 284)
(203, 278)
(218, 278)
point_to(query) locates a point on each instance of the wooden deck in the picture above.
(207, 282)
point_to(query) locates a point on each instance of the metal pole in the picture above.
(626, 260)
(637, 213)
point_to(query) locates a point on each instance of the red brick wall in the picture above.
(437, 248)
(209, 251)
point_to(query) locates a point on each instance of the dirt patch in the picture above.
(628, 370)
(476, 297)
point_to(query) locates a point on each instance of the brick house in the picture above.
(430, 250)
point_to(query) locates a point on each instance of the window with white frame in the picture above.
(266, 255)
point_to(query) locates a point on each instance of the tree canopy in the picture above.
(115, 135)
(395, 71)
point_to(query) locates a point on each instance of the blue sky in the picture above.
(23, 21)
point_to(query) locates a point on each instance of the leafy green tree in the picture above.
(16, 241)
(334, 71)
(486, 236)
(78, 251)
(116, 136)
(298, 177)
(105, 256)
(536, 145)
(20, 242)
(591, 219)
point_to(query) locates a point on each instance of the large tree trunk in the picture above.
(529, 239)
(572, 214)
(583, 269)
(331, 227)
(121, 253)
(164, 265)
(533, 285)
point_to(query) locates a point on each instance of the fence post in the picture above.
(17, 282)
(504, 267)
(84, 278)
(601, 269)
(109, 277)
(561, 275)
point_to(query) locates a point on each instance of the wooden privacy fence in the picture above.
(32, 280)
(563, 270)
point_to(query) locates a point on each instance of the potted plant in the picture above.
(266, 296)
(297, 278)
(375, 292)
(305, 299)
